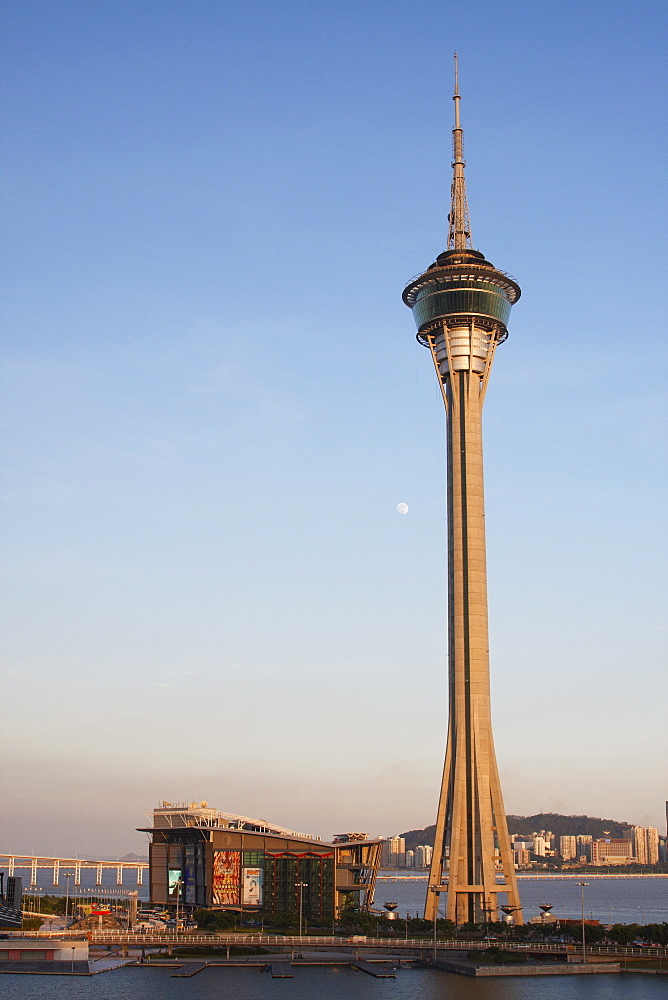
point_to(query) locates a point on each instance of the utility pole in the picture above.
(434, 889)
(67, 900)
(301, 886)
(582, 890)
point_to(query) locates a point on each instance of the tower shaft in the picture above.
(471, 820)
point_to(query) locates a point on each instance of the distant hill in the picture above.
(560, 826)
(134, 857)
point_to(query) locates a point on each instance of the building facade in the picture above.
(645, 840)
(200, 857)
(583, 843)
(607, 851)
(568, 848)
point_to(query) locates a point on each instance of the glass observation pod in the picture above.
(462, 285)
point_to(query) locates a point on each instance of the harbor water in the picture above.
(611, 900)
(615, 899)
(325, 983)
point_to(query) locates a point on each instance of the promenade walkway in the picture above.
(194, 939)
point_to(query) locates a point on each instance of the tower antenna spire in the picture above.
(459, 232)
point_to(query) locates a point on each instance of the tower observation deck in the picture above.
(461, 305)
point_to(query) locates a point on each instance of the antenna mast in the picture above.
(459, 232)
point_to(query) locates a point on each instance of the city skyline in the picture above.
(212, 407)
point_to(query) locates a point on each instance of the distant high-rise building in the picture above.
(410, 859)
(423, 855)
(652, 845)
(639, 837)
(584, 842)
(568, 848)
(645, 841)
(540, 846)
(396, 852)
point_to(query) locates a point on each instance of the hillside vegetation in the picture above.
(557, 823)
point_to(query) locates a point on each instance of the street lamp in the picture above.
(509, 911)
(582, 890)
(487, 909)
(301, 886)
(177, 886)
(434, 889)
(67, 900)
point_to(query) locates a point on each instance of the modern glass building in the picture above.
(201, 857)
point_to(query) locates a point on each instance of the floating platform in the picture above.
(378, 970)
(186, 971)
(547, 969)
(281, 970)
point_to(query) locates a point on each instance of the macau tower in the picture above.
(461, 305)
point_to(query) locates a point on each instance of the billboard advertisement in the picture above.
(226, 877)
(252, 895)
(173, 876)
(190, 881)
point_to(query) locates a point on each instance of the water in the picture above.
(614, 900)
(326, 984)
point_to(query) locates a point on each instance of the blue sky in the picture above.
(213, 402)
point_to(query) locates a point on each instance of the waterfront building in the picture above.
(201, 857)
(568, 848)
(44, 956)
(522, 857)
(607, 851)
(410, 859)
(461, 305)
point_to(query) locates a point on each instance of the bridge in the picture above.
(124, 940)
(57, 868)
(535, 875)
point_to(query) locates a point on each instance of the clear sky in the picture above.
(214, 400)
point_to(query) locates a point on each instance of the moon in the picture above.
(402, 508)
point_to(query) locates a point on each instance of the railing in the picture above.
(137, 938)
(360, 941)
